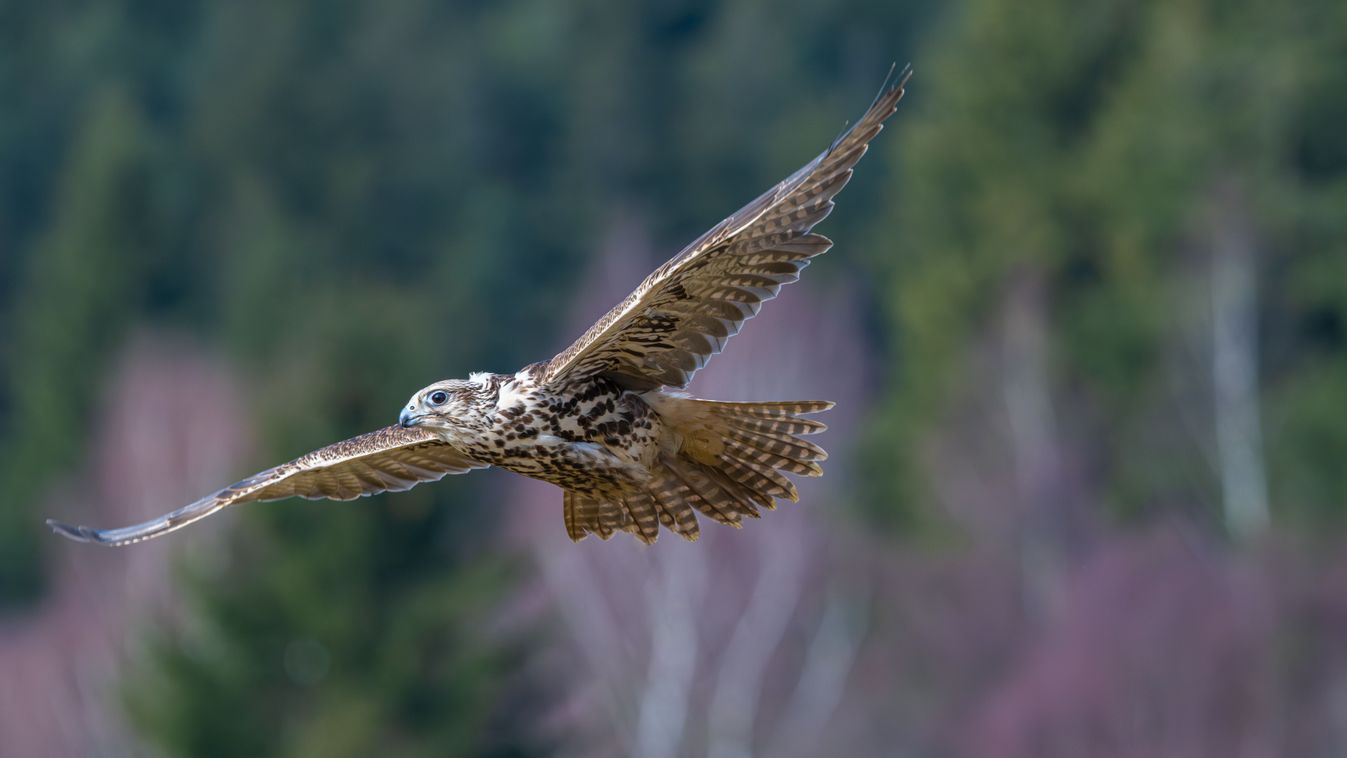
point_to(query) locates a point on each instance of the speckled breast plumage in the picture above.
(589, 436)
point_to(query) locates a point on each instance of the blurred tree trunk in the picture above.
(1035, 447)
(1234, 364)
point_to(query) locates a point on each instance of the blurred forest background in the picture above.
(1087, 315)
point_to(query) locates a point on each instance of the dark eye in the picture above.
(438, 397)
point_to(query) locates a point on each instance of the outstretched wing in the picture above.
(683, 313)
(390, 459)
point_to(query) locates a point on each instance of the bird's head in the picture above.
(453, 404)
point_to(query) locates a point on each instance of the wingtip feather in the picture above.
(74, 532)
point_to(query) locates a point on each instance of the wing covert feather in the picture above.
(683, 313)
(393, 458)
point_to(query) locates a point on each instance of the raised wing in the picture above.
(684, 313)
(390, 459)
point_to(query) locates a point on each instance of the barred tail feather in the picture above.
(640, 513)
(586, 515)
(731, 461)
(677, 500)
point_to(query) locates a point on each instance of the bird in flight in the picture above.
(604, 420)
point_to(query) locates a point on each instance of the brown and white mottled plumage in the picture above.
(595, 420)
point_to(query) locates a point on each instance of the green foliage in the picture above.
(332, 638)
(74, 302)
(1080, 144)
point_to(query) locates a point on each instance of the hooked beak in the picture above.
(407, 418)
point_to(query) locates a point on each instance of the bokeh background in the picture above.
(1086, 318)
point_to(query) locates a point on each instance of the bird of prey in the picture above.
(604, 420)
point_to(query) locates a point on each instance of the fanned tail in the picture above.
(731, 461)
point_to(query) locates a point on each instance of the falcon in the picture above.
(605, 419)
